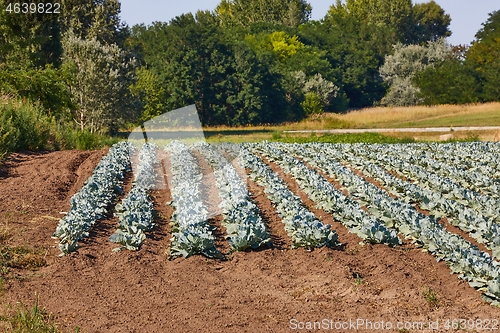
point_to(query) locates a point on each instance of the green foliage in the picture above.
(394, 15)
(320, 90)
(278, 42)
(312, 104)
(30, 320)
(232, 82)
(246, 12)
(99, 81)
(355, 51)
(150, 91)
(26, 127)
(95, 19)
(430, 297)
(45, 86)
(22, 127)
(484, 56)
(399, 69)
(404, 22)
(467, 75)
(28, 40)
(451, 82)
(347, 138)
(431, 22)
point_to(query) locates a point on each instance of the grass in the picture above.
(24, 319)
(423, 116)
(347, 138)
(21, 257)
(430, 297)
(413, 117)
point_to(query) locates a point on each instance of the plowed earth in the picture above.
(270, 290)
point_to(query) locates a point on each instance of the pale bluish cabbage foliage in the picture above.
(92, 201)
(244, 226)
(135, 213)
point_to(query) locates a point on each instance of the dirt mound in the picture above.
(271, 290)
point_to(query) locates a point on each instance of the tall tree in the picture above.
(99, 19)
(484, 55)
(355, 51)
(452, 81)
(400, 68)
(430, 22)
(99, 83)
(394, 15)
(246, 12)
(28, 40)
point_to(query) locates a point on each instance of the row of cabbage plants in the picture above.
(483, 229)
(302, 226)
(191, 231)
(426, 159)
(135, 213)
(328, 198)
(480, 156)
(467, 155)
(485, 205)
(244, 226)
(91, 203)
(463, 258)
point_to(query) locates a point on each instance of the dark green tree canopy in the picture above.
(431, 22)
(291, 13)
(98, 19)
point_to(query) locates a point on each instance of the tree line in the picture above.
(246, 62)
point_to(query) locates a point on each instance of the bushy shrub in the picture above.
(312, 104)
(23, 127)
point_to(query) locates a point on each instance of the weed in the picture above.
(352, 251)
(277, 135)
(21, 257)
(34, 319)
(5, 233)
(430, 297)
(358, 279)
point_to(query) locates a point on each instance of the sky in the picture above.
(466, 15)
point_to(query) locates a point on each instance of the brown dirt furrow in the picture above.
(349, 240)
(211, 199)
(273, 221)
(38, 190)
(158, 239)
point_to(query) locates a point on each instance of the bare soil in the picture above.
(257, 291)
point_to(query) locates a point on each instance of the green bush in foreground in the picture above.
(25, 126)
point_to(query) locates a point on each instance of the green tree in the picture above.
(95, 19)
(317, 88)
(355, 51)
(99, 83)
(28, 40)
(405, 22)
(400, 68)
(291, 13)
(484, 56)
(430, 22)
(453, 81)
(393, 15)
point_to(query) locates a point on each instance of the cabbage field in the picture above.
(385, 193)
